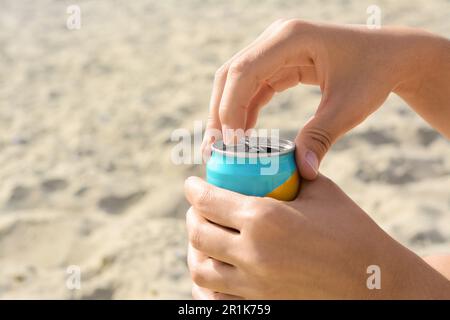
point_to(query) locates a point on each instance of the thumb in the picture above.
(313, 142)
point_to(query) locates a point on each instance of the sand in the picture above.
(85, 123)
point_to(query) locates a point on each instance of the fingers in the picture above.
(253, 67)
(285, 78)
(215, 204)
(219, 84)
(211, 239)
(308, 75)
(199, 293)
(260, 99)
(212, 274)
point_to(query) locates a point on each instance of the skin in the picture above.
(318, 245)
(356, 69)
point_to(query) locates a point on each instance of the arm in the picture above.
(440, 263)
(356, 69)
(426, 82)
(318, 246)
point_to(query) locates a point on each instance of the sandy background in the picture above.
(85, 123)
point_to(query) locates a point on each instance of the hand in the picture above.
(317, 246)
(356, 69)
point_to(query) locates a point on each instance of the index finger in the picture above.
(219, 84)
(287, 47)
(215, 204)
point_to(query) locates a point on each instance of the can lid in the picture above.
(250, 147)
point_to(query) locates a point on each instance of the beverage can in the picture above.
(255, 166)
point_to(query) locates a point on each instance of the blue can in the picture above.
(255, 167)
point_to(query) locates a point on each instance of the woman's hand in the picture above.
(356, 69)
(317, 246)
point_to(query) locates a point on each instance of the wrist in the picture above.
(407, 276)
(415, 57)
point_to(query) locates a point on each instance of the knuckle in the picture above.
(197, 275)
(267, 209)
(211, 121)
(322, 138)
(279, 22)
(224, 113)
(239, 68)
(261, 262)
(258, 261)
(250, 203)
(257, 213)
(249, 207)
(276, 24)
(217, 267)
(221, 72)
(195, 236)
(227, 114)
(291, 25)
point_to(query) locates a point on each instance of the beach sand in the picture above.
(85, 123)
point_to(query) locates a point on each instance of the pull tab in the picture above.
(259, 145)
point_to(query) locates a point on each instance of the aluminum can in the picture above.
(255, 166)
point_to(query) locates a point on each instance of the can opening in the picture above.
(255, 146)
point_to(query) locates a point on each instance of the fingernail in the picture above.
(312, 161)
